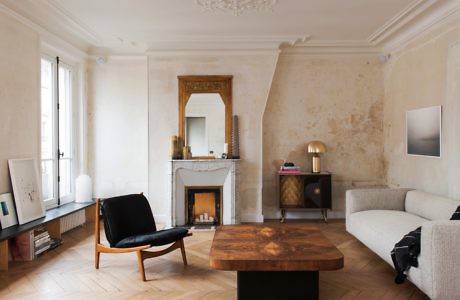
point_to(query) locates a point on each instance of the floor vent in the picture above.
(71, 221)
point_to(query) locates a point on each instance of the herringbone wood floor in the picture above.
(68, 273)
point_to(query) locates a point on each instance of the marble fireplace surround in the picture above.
(199, 173)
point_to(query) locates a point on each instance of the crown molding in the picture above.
(435, 16)
(331, 47)
(415, 19)
(233, 43)
(71, 22)
(398, 21)
(49, 42)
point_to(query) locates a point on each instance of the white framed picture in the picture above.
(26, 189)
(8, 216)
(424, 131)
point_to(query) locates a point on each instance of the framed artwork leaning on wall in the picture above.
(26, 189)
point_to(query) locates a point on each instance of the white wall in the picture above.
(118, 126)
(19, 95)
(253, 73)
(424, 73)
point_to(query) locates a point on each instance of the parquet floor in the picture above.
(68, 273)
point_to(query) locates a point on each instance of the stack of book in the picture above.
(289, 169)
(42, 240)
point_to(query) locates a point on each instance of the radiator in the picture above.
(73, 220)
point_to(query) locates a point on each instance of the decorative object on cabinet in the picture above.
(236, 138)
(305, 191)
(7, 211)
(175, 148)
(316, 147)
(424, 131)
(83, 189)
(26, 190)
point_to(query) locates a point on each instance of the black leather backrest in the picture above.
(126, 216)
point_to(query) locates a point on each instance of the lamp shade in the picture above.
(316, 147)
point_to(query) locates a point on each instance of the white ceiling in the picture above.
(140, 25)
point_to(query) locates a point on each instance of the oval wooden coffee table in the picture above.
(274, 261)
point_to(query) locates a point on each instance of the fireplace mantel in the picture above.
(218, 172)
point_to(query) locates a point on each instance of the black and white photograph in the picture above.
(424, 131)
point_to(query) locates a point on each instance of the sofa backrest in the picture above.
(429, 206)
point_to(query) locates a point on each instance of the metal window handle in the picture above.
(60, 154)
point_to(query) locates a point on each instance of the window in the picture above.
(56, 132)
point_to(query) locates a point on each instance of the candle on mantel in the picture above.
(226, 148)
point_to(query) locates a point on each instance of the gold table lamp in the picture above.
(316, 147)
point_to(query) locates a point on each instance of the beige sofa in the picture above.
(379, 218)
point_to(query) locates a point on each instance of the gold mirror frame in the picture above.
(211, 84)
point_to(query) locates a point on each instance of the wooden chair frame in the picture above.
(140, 250)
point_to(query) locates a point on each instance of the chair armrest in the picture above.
(370, 199)
(439, 259)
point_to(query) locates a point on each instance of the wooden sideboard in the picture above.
(305, 191)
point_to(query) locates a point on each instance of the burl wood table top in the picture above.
(273, 247)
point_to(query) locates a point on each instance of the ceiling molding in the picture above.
(437, 15)
(399, 20)
(205, 43)
(407, 24)
(48, 41)
(331, 47)
(77, 27)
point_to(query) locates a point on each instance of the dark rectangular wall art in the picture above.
(424, 131)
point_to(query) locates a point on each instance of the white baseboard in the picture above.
(251, 218)
(164, 220)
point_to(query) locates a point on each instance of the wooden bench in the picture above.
(52, 222)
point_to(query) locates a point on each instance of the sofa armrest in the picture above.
(439, 259)
(370, 199)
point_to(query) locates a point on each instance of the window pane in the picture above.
(47, 118)
(65, 131)
(47, 180)
(65, 174)
(65, 117)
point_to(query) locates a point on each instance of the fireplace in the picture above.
(203, 205)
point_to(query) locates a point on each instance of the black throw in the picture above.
(406, 251)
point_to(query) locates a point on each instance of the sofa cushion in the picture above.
(380, 230)
(430, 206)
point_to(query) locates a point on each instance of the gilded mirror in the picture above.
(205, 114)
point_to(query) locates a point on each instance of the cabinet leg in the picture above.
(283, 214)
(4, 255)
(324, 214)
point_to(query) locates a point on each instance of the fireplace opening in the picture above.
(203, 206)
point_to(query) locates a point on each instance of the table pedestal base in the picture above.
(277, 285)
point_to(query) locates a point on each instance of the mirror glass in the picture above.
(205, 124)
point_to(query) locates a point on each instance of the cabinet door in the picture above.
(317, 191)
(291, 191)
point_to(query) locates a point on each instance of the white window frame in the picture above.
(52, 203)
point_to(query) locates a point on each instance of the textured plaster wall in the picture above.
(253, 75)
(424, 73)
(19, 95)
(337, 100)
(118, 126)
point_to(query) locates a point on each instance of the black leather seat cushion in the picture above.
(154, 238)
(126, 216)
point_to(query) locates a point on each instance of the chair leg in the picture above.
(182, 249)
(141, 264)
(96, 261)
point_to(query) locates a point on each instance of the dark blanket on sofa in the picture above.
(406, 251)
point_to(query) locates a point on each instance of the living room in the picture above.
(276, 148)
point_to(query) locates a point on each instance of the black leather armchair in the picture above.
(130, 227)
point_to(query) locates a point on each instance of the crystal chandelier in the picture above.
(236, 7)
